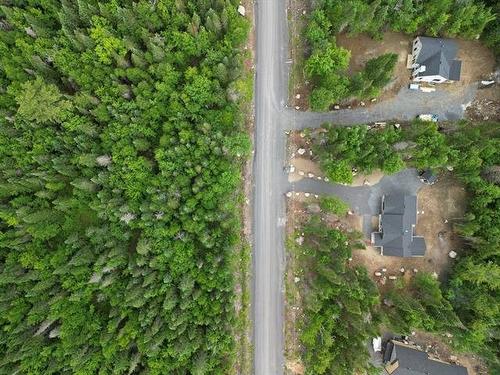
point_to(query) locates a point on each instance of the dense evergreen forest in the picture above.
(121, 144)
(468, 305)
(327, 63)
(341, 303)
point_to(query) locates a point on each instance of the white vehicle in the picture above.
(428, 117)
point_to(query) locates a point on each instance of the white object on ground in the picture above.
(301, 151)
(377, 344)
(427, 89)
(241, 10)
(452, 254)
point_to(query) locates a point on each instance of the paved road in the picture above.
(270, 182)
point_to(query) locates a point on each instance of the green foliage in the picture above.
(342, 149)
(431, 149)
(121, 146)
(377, 73)
(333, 205)
(421, 305)
(341, 307)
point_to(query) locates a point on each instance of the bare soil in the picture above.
(486, 105)
(439, 206)
(364, 48)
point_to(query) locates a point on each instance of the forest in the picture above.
(326, 63)
(341, 303)
(467, 304)
(122, 138)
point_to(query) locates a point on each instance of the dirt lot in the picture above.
(439, 206)
(364, 48)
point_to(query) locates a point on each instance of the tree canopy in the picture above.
(121, 143)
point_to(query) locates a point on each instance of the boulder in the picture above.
(241, 10)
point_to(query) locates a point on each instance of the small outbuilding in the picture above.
(434, 60)
(428, 177)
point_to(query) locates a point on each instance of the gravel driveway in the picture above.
(405, 106)
(364, 200)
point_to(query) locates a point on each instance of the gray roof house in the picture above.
(403, 359)
(396, 227)
(434, 60)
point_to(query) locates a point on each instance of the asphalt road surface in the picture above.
(270, 182)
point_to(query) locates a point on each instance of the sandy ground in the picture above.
(364, 48)
(441, 202)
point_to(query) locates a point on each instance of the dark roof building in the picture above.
(403, 359)
(396, 226)
(428, 177)
(434, 60)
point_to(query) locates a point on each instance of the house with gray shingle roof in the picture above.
(434, 60)
(403, 359)
(397, 222)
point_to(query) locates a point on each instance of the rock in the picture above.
(452, 254)
(296, 279)
(304, 12)
(297, 96)
(310, 175)
(349, 107)
(373, 100)
(392, 277)
(402, 270)
(453, 358)
(301, 151)
(336, 107)
(450, 168)
(415, 270)
(103, 160)
(241, 10)
(314, 208)
(378, 273)
(449, 335)
(289, 194)
(434, 275)
(319, 178)
(299, 240)
(388, 302)
(362, 104)
(30, 32)
(291, 168)
(383, 280)
(316, 196)
(302, 135)
(297, 107)
(326, 179)
(297, 194)
(307, 194)
(366, 182)
(384, 270)
(302, 173)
